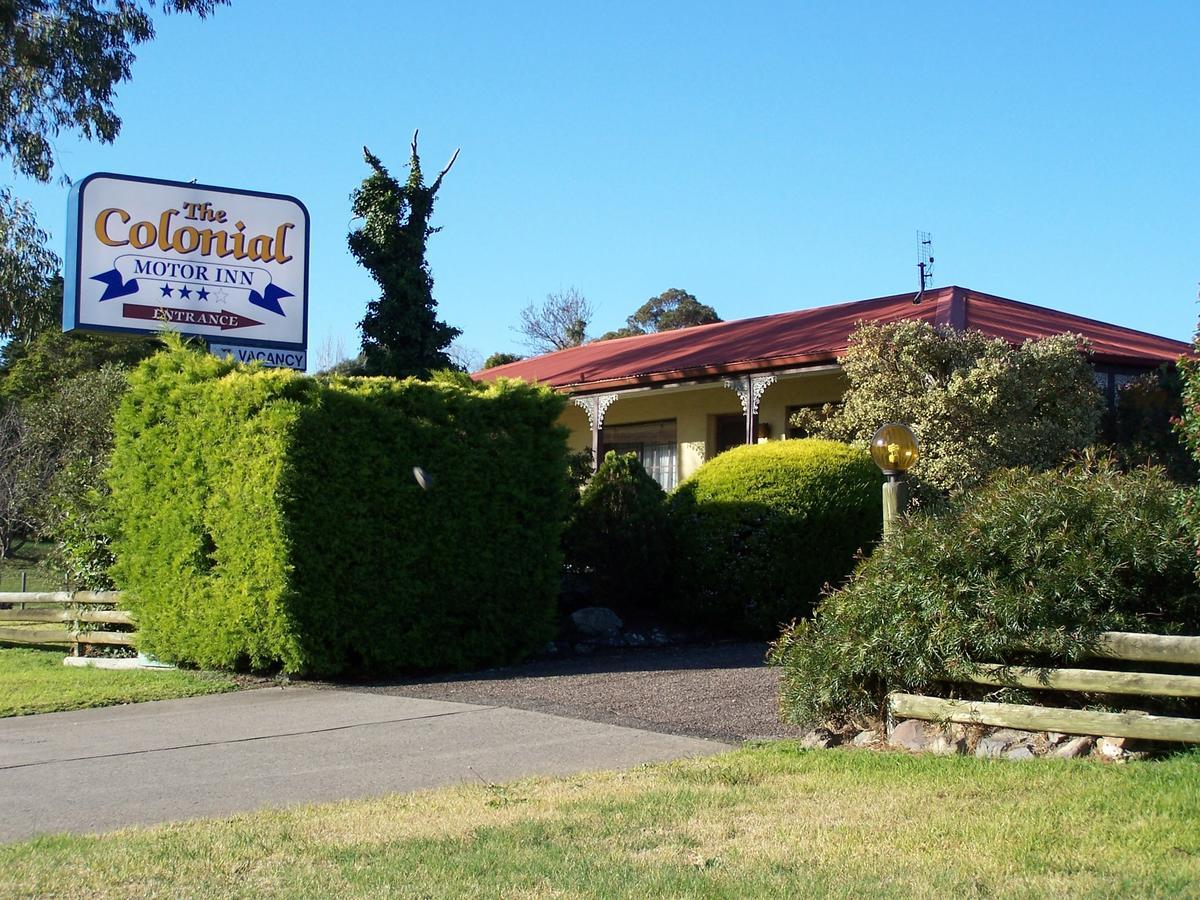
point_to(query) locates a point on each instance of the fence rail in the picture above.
(76, 609)
(1155, 648)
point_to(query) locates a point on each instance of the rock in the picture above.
(1055, 737)
(596, 621)
(1013, 736)
(1019, 753)
(913, 734)
(990, 748)
(817, 739)
(1001, 741)
(1110, 748)
(866, 738)
(1074, 747)
(909, 735)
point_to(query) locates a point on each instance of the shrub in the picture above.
(1030, 569)
(269, 519)
(1141, 430)
(1188, 426)
(618, 537)
(976, 403)
(764, 527)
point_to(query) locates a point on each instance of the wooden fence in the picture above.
(76, 613)
(1152, 648)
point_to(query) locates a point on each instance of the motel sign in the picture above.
(226, 265)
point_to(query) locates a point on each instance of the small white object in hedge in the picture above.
(424, 479)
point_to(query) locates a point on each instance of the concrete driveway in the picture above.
(100, 769)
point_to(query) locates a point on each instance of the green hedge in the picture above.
(1028, 569)
(764, 527)
(267, 519)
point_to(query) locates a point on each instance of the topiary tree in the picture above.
(764, 528)
(618, 540)
(977, 404)
(1028, 569)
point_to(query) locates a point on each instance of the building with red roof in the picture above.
(679, 397)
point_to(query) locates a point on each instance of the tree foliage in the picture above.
(976, 404)
(62, 60)
(75, 426)
(27, 469)
(30, 291)
(672, 309)
(401, 334)
(501, 359)
(34, 372)
(559, 323)
(1188, 427)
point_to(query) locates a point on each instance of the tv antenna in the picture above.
(924, 264)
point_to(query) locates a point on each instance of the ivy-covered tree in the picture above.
(401, 334)
(673, 308)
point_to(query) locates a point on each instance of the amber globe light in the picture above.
(894, 448)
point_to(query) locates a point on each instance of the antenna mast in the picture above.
(924, 264)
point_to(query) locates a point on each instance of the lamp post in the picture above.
(894, 449)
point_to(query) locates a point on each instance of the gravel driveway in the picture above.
(720, 691)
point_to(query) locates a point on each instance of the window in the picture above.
(653, 443)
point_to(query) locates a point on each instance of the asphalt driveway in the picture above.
(100, 769)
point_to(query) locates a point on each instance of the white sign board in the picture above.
(205, 261)
(268, 356)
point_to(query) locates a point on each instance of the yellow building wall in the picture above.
(694, 409)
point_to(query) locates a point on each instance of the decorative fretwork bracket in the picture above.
(750, 389)
(595, 405)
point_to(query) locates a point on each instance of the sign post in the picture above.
(226, 265)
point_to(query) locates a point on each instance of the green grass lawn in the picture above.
(767, 821)
(32, 560)
(34, 680)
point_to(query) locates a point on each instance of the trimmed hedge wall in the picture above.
(764, 527)
(267, 519)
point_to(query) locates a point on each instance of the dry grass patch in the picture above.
(762, 821)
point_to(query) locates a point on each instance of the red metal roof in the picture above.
(816, 336)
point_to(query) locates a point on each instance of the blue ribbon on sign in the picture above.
(114, 285)
(270, 297)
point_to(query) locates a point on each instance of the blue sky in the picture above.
(765, 157)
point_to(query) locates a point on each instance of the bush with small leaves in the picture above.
(1029, 569)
